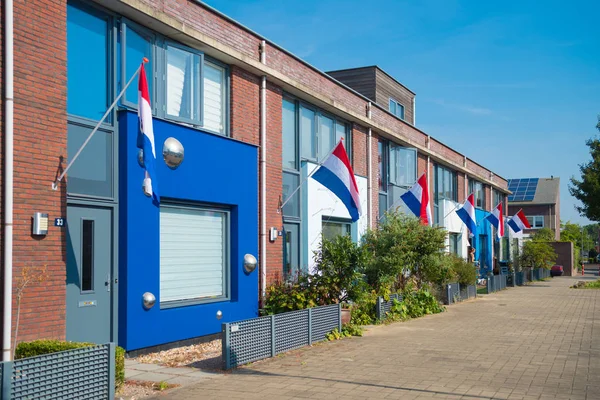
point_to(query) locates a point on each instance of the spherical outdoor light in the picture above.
(140, 157)
(173, 152)
(219, 314)
(148, 300)
(249, 263)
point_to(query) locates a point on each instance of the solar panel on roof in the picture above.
(523, 189)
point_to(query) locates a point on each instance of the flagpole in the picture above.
(309, 175)
(114, 103)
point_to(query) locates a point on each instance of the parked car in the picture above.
(556, 270)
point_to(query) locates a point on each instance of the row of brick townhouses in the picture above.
(243, 110)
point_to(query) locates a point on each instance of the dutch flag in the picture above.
(467, 214)
(496, 219)
(417, 200)
(335, 173)
(145, 139)
(519, 222)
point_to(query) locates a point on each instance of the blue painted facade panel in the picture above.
(215, 171)
(484, 228)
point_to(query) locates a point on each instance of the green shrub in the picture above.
(465, 273)
(41, 347)
(289, 296)
(414, 304)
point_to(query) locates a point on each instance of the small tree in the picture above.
(29, 275)
(544, 235)
(537, 254)
(402, 247)
(587, 189)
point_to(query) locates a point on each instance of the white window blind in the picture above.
(193, 261)
(214, 98)
(182, 83)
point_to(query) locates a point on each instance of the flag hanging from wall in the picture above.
(519, 222)
(335, 173)
(496, 219)
(417, 200)
(146, 137)
(467, 214)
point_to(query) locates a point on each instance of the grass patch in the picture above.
(482, 290)
(587, 285)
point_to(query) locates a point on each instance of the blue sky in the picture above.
(515, 85)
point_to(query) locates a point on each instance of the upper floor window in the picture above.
(397, 173)
(536, 221)
(402, 166)
(445, 187)
(477, 188)
(310, 134)
(397, 109)
(184, 85)
(498, 197)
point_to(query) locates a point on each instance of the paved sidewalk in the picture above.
(156, 373)
(535, 342)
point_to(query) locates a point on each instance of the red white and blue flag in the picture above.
(145, 139)
(497, 220)
(467, 214)
(335, 173)
(417, 200)
(519, 222)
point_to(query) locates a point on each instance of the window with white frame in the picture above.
(397, 109)
(191, 89)
(454, 243)
(478, 190)
(194, 261)
(536, 221)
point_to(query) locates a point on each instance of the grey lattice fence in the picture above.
(495, 283)
(468, 292)
(257, 338)
(452, 293)
(85, 373)
(384, 306)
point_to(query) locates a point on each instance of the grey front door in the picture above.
(89, 273)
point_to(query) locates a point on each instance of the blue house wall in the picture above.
(484, 228)
(216, 171)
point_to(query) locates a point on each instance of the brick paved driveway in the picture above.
(536, 342)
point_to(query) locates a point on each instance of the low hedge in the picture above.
(41, 347)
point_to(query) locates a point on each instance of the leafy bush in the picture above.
(537, 254)
(403, 247)
(347, 331)
(463, 272)
(414, 304)
(289, 296)
(339, 263)
(41, 347)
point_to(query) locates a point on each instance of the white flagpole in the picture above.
(114, 103)
(309, 175)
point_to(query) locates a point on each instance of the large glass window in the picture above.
(87, 63)
(454, 243)
(397, 173)
(194, 261)
(214, 97)
(289, 137)
(326, 137)
(397, 109)
(333, 228)
(403, 166)
(536, 221)
(477, 188)
(307, 133)
(290, 184)
(498, 197)
(183, 84)
(445, 188)
(136, 43)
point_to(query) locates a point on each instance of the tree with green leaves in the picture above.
(403, 247)
(587, 189)
(543, 235)
(537, 254)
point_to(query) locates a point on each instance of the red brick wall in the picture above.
(488, 197)
(359, 150)
(245, 106)
(274, 181)
(462, 182)
(375, 179)
(40, 128)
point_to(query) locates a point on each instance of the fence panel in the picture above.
(383, 306)
(85, 373)
(258, 338)
(452, 293)
(291, 330)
